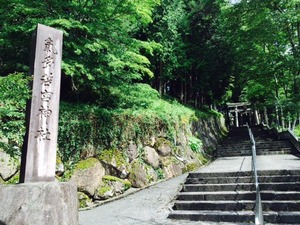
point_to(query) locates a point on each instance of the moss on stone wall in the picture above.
(126, 183)
(87, 163)
(112, 156)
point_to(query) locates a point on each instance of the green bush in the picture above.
(195, 144)
(14, 93)
(297, 131)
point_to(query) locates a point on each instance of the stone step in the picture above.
(244, 173)
(218, 187)
(215, 205)
(213, 216)
(239, 195)
(258, 147)
(276, 152)
(241, 187)
(249, 153)
(283, 217)
(242, 179)
(229, 205)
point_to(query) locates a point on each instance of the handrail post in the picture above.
(259, 220)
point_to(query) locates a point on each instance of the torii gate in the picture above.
(241, 113)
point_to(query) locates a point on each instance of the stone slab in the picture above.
(40, 143)
(47, 203)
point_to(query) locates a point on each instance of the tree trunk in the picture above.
(182, 92)
(266, 116)
(277, 116)
(282, 118)
(160, 82)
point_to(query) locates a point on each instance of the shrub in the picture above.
(14, 93)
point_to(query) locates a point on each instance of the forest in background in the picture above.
(123, 56)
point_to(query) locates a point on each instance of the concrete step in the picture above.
(230, 197)
(242, 179)
(239, 195)
(245, 173)
(242, 187)
(218, 187)
(258, 152)
(282, 217)
(213, 215)
(215, 205)
(229, 205)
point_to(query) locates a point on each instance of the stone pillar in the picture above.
(236, 117)
(39, 200)
(39, 149)
(256, 117)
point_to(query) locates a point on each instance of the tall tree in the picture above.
(265, 36)
(194, 63)
(100, 49)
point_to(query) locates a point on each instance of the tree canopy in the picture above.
(265, 37)
(201, 52)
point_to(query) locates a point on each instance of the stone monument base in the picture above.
(47, 203)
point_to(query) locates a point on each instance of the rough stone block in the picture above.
(9, 166)
(49, 203)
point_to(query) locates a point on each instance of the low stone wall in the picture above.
(141, 163)
(210, 131)
(284, 135)
(288, 135)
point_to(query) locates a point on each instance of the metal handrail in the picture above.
(259, 218)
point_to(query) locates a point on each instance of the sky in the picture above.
(234, 1)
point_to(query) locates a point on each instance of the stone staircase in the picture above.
(230, 196)
(238, 144)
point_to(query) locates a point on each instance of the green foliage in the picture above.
(14, 93)
(134, 96)
(297, 131)
(100, 45)
(160, 173)
(84, 200)
(14, 180)
(195, 144)
(190, 167)
(84, 125)
(264, 36)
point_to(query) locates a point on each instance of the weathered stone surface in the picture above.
(132, 151)
(60, 168)
(150, 141)
(9, 166)
(163, 147)
(84, 200)
(114, 163)
(142, 175)
(88, 175)
(210, 131)
(112, 186)
(171, 167)
(151, 157)
(39, 147)
(182, 138)
(50, 203)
